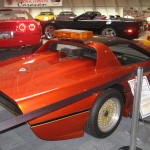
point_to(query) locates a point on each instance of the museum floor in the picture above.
(22, 138)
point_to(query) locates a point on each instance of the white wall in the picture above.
(106, 7)
(1, 4)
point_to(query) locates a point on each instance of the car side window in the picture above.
(129, 54)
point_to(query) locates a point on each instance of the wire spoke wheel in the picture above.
(105, 114)
(108, 115)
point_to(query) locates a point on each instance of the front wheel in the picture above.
(105, 114)
(108, 31)
(48, 31)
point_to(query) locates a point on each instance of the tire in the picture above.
(105, 115)
(48, 31)
(108, 31)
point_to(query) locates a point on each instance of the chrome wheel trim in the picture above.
(49, 32)
(109, 115)
(109, 32)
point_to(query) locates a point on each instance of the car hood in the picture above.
(31, 76)
(44, 16)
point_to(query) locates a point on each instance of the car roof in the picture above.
(114, 41)
(109, 41)
(67, 12)
(93, 12)
(47, 11)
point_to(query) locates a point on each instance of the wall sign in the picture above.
(145, 96)
(32, 3)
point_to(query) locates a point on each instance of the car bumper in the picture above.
(20, 40)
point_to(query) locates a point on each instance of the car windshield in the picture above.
(66, 13)
(129, 53)
(15, 15)
(95, 13)
(46, 13)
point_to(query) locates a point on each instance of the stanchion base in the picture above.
(128, 148)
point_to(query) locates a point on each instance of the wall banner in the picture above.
(32, 3)
(141, 14)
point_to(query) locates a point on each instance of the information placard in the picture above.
(145, 96)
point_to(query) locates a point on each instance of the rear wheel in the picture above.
(48, 31)
(105, 114)
(108, 31)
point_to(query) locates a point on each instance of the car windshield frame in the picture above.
(46, 13)
(66, 13)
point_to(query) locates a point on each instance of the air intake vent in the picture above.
(9, 104)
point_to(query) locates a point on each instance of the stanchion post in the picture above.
(135, 112)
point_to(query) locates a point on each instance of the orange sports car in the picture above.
(72, 84)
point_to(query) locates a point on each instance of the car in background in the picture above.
(148, 26)
(116, 26)
(45, 16)
(146, 40)
(18, 30)
(73, 83)
(66, 15)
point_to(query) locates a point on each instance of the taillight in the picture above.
(22, 27)
(148, 38)
(130, 30)
(32, 27)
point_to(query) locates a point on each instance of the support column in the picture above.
(139, 4)
(116, 7)
(93, 5)
(71, 5)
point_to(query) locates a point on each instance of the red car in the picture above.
(18, 29)
(78, 78)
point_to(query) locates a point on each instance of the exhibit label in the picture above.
(32, 3)
(145, 96)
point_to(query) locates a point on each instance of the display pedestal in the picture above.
(128, 148)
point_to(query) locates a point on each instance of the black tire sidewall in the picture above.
(109, 27)
(101, 99)
(45, 31)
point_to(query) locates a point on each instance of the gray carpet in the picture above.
(22, 138)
